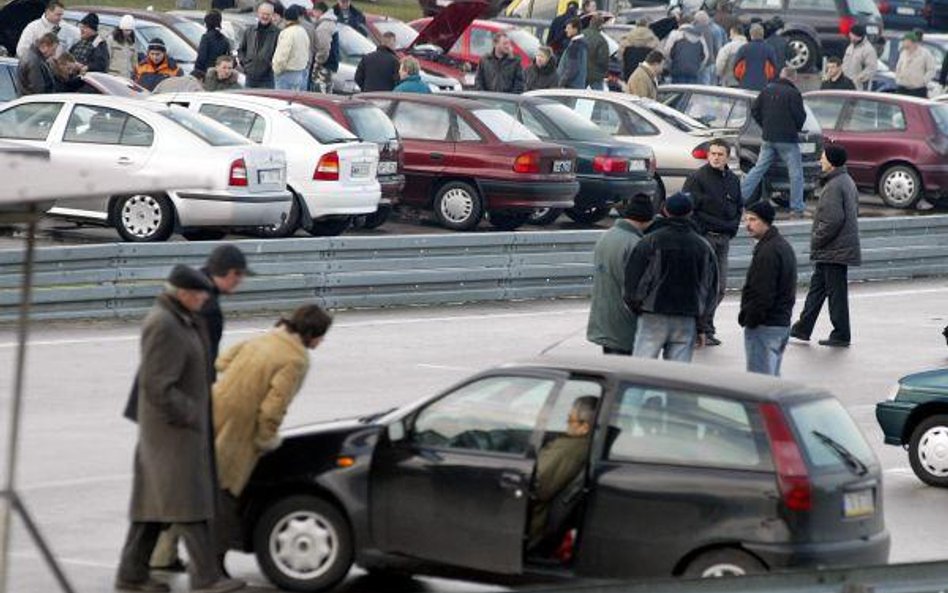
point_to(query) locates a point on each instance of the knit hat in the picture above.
(638, 208)
(182, 276)
(91, 20)
(157, 44)
(835, 154)
(293, 13)
(763, 210)
(212, 20)
(858, 30)
(679, 204)
(127, 23)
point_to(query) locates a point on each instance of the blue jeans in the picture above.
(789, 153)
(764, 346)
(707, 75)
(671, 335)
(292, 80)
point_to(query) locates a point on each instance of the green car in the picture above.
(916, 418)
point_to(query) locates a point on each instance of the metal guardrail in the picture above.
(118, 280)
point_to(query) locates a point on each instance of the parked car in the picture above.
(464, 159)
(331, 172)
(369, 123)
(478, 40)
(607, 170)
(678, 141)
(915, 417)
(121, 137)
(897, 145)
(691, 471)
(720, 107)
(9, 86)
(904, 14)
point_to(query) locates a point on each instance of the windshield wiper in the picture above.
(338, 140)
(375, 416)
(854, 463)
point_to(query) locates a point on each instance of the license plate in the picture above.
(808, 147)
(266, 176)
(360, 170)
(872, 30)
(637, 165)
(858, 504)
(905, 10)
(562, 166)
(388, 168)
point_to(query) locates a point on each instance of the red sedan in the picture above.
(897, 145)
(478, 39)
(464, 159)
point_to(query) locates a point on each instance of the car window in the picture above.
(353, 44)
(370, 123)
(324, 129)
(466, 133)
(242, 121)
(738, 116)
(710, 110)
(574, 388)
(496, 414)
(534, 125)
(571, 124)
(526, 41)
(91, 124)
(418, 121)
(7, 87)
(673, 99)
(178, 48)
(940, 115)
(822, 5)
(204, 128)
(827, 418)
(826, 110)
(683, 428)
(481, 41)
(506, 128)
(873, 116)
(404, 35)
(30, 121)
(675, 118)
(601, 113)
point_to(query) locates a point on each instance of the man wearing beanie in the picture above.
(768, 294)
(860, 61)
(834, 246)
(611, 322)
(157, 65)
(91, 50)
(671, 282)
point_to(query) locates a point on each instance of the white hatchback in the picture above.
(330, 170)
(246, 184)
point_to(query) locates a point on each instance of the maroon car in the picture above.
(464, 158)
(897, 145)
(369, 123)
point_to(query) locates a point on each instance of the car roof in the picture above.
(440, 99)
(256, 100)
(710, 90)
(138, 13)
(509, 97)
(302, 97)
(92, 99)
(889, 97)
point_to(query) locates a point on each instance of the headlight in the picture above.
(893, 392)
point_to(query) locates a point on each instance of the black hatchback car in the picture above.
(689, 471)
(720, 107)
(608, 171)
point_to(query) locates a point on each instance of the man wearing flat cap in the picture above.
(671, 282)
(769, 292)
(173, 483)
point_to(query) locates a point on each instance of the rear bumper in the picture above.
(870, 551)
(934, 179)
(892, 417)
(334, 198)
(391, 187)
(230, 209)
(602, 191)
(516, 195)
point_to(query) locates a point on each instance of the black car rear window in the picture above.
(818, 419)
(319, 126)
(573, 125)
(370, 123)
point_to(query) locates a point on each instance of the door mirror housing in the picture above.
(397, 431)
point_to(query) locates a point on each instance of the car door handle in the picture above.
(436, 156)
(512, 481)
(124, 160)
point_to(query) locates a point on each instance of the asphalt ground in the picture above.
(76, 450)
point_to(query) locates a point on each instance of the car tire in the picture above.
(458, 206)
(508, 220)
(141, 218)
(724, 562)
(329, 227)
(900, 186)
(590, 215)
(200, 234)
(303, 543)
(544, 216)
(804, 52)
(928, 450)
(377, 218)
(285, 229)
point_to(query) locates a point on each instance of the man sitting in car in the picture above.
(559, 462)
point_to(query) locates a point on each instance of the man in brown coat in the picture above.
(173, 483)
(644, 80)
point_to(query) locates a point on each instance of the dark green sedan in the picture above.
(916, 418)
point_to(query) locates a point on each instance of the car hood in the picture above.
(448, 26)
(339, 425)
(14, 17)
(934, 380)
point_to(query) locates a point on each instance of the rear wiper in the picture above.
(375, 416)
(338, 140)
(854, 463)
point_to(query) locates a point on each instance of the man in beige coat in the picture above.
(915, 69)
(644, 80)
(291, 57)
(860, 61)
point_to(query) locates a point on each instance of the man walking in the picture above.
(768, 294)
(834, 246)
(778, 109)
(716, 192)
(597, 58)
(835, 79)
(644, 81)
(860, 61)
(671, 282)
(572, 67)
(915, 68)
(173, 481)
(611, 322)
(556, 38)
(499, 70)
(687, 53)
(378, 71)
(256, 49)
(756, 61)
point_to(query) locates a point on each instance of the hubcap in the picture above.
(933, 451)
(141, 215)
(457, 205)
(800, 54)
(303, 545)
(899, 186)
(717, 571)
(539, 213)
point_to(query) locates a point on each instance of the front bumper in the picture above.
(513, 195)
(892, 417)
(230, 209)
(603, 191)
(869, 551)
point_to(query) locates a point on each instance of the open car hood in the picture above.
(449, 24)
(14, 17)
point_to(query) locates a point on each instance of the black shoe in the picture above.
(834, 343)
(177, 566)
(798, 335)
(146, 586)
(711, 341)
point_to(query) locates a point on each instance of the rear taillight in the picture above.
(846, 24)
(238, 174)
(528, 162)
(327, 169)
(793, 479)
(610, 165)
(700, 153)
(884, 7)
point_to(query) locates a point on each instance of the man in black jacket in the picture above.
(378, 71)
(257, 47)
(347, 14)
(716, 192)
(671, 281)
(768, 294)
(33, 72)
(778, 109)
(835, 79)
(556, 38)
(91, 50)
(499, 71)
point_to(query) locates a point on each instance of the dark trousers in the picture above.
(722, 247)
(140, 543)
(829, 281)
(919, 92)
(616, 351)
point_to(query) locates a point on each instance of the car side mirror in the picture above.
(397, 431)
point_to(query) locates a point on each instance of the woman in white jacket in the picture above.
(123, 55)
(291, 56)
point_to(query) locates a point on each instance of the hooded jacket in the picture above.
(834, 237)
(688, 53)
(325, 29)
(572, 66)
(499, 75)
(535, 78)
(256, 54)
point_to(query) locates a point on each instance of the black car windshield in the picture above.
(371, 124)
(404, 35)
(193, 31)
(829, 435)
(866, 7)
(573, 125)
(940, 115)
(319, 126)
(204, 128)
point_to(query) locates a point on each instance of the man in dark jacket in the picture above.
(347, 14)
(835, 79)
(597, 59)
(572, 66)
(378, 71)
(769, 293)
(33, 73)
(716, 192)
(556, 38)
(756, 62)
(542, 72)
(213, 43)
(173, 481)
(157, 66)
(834, 246)
(779, 111)
(91, 50)
(671, 282)
(256, 49)
(499, 70)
